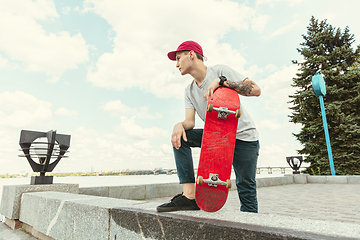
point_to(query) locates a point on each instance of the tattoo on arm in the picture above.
(243, 88)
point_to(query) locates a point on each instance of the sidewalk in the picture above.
(7, 233)
(329, 202)
(326, 209)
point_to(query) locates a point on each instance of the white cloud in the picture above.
(4, 63)
(24, 39)
(269, 124)
(19, 109)
(275, 154)
(286, 27)
(105, 152)
(129, 129)
(66, 112)
(271, 67)
(276, 89)
(66, 10)
(144, 36)
(272, 3)
(258, 24)
(38, 9)
(118, 108)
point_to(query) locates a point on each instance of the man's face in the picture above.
(183, 62)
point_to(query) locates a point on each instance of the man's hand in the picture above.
(209, 93)
(178, 132)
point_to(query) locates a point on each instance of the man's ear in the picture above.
(192, 54)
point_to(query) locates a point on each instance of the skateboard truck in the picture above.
(223, 112)
(213, 181)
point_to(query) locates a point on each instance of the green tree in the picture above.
(328, 50)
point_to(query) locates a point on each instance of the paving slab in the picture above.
(7, 233)
(332, 209)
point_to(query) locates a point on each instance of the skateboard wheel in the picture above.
(228, 183)
(200, 180)
(210, 108)
(238, 113)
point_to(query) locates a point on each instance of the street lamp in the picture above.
(295, 163)
(319, 89)
(45, 146)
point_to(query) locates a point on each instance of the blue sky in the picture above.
(98, 70)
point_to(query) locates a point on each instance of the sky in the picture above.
(98, 71)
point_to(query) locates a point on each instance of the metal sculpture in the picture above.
(45, 146)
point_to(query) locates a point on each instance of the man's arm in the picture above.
(179, 128)
(245, 88)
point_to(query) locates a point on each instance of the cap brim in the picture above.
(172, 55)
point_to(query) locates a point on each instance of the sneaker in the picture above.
(178, 203)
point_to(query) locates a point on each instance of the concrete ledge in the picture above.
(151, 225)
(11, 196)
(316, 179)
(70, 216)
(135, 192)
(338, 179)
(163, 190)
(354, 179)
(266, 182)
(148, 191)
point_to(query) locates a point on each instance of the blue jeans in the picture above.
(244, 163)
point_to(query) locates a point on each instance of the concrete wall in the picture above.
(11, 196)
(134, 192)
(70, 216)
(334, 179)
(148, 191)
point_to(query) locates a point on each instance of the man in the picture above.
(189, 60)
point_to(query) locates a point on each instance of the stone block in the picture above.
(11, 195)
(13, 224)
(353, 179)
(95, 191)
(134, 192)
(316, 179)
(276, 181)
(128, 192)
(300, 178)
(163, 190)
(69, 216)
(336, 179)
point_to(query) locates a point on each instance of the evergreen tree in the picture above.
(328, 50)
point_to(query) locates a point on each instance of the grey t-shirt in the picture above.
(194, 99)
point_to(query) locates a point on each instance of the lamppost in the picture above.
(45, 146)
(319, 89)
(295, 163)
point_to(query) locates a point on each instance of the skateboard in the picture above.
(217, 150)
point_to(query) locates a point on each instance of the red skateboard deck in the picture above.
(217, 150)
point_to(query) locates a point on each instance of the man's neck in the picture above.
(199, 74)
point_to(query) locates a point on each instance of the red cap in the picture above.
(186, 46)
